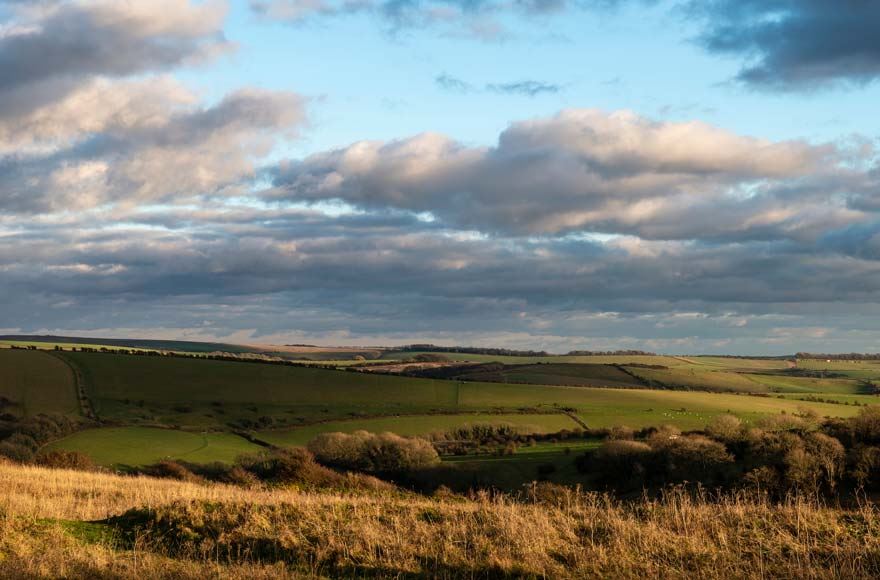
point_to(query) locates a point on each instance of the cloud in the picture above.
(298, 271)
(474, 18)
(146, 142)
(795, 44)
(450, 83)
(45, 52)
(592, 171)
(525, 88)
(84, 121)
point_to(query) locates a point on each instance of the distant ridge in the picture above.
(181, 345)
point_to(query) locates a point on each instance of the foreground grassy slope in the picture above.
(285, 534)
(36, 382)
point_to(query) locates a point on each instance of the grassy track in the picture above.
(135, 446)
(419, 425)
(37, 383)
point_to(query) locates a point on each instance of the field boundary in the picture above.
(86, 408)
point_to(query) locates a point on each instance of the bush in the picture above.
(621, 461)
(725, 428)
(373, 453)
(297, 466)
(17, 453)
(691, 458)
(66, 460)
(621, 432)
(170, 470)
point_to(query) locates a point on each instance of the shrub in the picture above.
(18, 453)
(66, 460)
(725, 428)
(375, 453)
(621, 432)
(170, 470)
(621, 461)
(691, 458)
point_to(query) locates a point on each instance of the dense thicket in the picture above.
(781, 454)
(21, 438)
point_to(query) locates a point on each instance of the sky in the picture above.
(677, 176)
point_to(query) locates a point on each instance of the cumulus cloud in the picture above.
(591, 171)
(794, 44)
(81, 125)
(48, 50)
(146, 142)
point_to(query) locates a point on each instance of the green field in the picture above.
(641, 407)
(569, 374)
(289, 405)
(420, 425)
(205, 392)
(137, 446)
(36, 382)
(195, 392)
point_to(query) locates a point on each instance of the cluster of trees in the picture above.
(386, 453)
(781, 454)
(501, 438)
(21, 438)
(224, 356)
(472, 350)
(611, 353)
(838, 356)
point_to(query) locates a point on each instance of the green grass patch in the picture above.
(36, 382)
(137, 446)
(570, 374)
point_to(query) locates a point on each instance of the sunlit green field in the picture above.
(36, 382)
(136, 446)
(289, 405)
(180, 391)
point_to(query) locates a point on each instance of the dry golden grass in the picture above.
(260, 533)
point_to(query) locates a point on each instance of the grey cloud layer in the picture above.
(795, 43)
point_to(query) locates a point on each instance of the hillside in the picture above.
(71, 524)
(190, 408)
